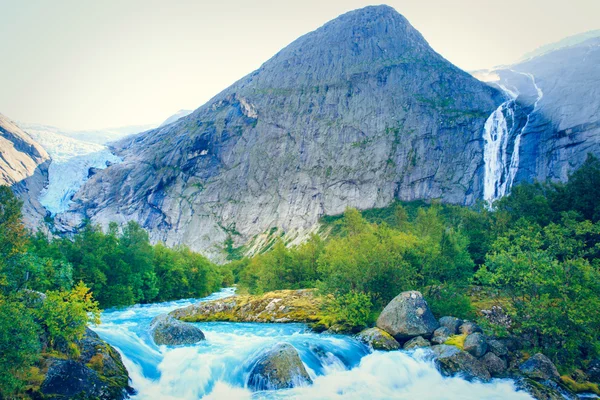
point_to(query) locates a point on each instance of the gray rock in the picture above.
(444, 350)
(278, 368)
(358, 113)
(593, 371)
(440, 335)
(416, 342)
(378, 339)
(166, 330)
(497, 347)
(476, 344)
(451, 323)
(69, 378)
(494, 364)
(468, 327)
(541, 390)
(539, 367)
(407, 316)
(460, 362)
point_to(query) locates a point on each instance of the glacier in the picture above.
(70, 166)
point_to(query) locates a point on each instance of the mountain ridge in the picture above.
(358, 113)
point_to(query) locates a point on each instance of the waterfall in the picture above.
(499, 173)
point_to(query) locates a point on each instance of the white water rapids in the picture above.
(218, 368)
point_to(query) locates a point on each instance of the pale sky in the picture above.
(96, 64)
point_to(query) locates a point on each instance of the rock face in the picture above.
(407, 316)
(539, 367)
(358, 113)
(278, 368)
(378, 339)
(24, 167)
(97, 373)
(494, 364)
(169, 331)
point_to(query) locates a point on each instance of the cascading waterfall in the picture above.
(499, 129)
(218, 368)
(499, 175)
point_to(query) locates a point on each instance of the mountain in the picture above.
(561, 88)
(24, 167)
(566, 42)
(179, 114)
(357, 113)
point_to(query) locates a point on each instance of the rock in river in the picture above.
(167, 330)
(378, 339)
(278, 368)
(407, 316)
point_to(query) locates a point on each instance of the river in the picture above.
(341, 367)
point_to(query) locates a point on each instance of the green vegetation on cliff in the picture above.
(535, 255)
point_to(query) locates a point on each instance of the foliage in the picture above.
(349, 312)
(19, 346)
(64, 315)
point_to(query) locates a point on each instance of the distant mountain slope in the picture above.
(24, 167)
(357, 113)
(566, 42)
(179, 114)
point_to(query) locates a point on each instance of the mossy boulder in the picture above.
(468, 327)
(277, 306)
(541, 391)
(278, 368)
(539, 367)
(98, 372)
(407, 316)
(169, 331)
(378, 339)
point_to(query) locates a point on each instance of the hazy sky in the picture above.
(93, 64)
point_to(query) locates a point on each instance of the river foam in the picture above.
(341, 367)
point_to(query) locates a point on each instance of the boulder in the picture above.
(468, 327)
(494, 364)
(98, 372)
(169, 331)
(452, 323)
(70, 379)
(593, 371)
(407, 316)
(539, 367)
(440, 335)
(378, 339)
(497, 347)
(416, 342)
(278, 368)
(460, 362)
(475, 344)
(444, 350)
(538, 390)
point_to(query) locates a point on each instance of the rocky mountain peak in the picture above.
(356, 113)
